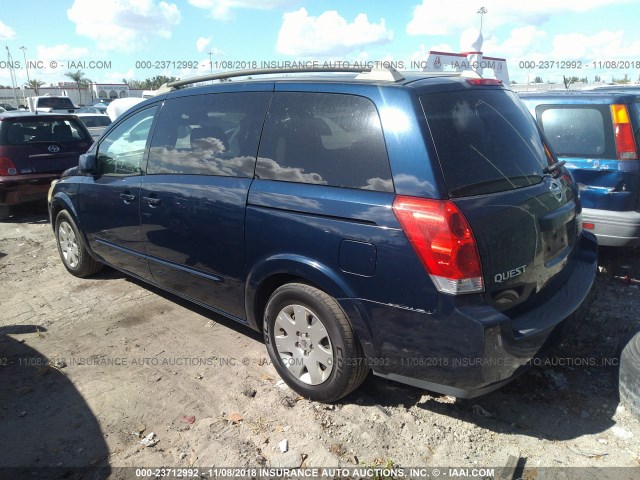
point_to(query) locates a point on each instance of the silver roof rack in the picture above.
(388, 74)
(382, 74)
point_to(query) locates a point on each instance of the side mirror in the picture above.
(87, 163)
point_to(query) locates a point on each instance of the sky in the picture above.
(112, 40)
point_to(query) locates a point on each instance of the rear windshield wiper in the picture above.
(495, 185)
(553, 167)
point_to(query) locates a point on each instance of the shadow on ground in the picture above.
(46, 428)
(32, 212)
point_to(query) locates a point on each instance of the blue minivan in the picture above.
(415, 225)
(596, 132)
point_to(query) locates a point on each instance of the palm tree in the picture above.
(35, 85)
(80, 80)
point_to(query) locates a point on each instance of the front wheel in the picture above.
(311, 343)
(72, 249)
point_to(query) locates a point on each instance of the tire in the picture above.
(320, 357)
(5, 212)
(72, 249)
(630, 376)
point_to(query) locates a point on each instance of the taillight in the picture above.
(625, 143)
(444, 242)
(484, 81)
(7, 167)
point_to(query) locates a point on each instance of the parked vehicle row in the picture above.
(415, 225)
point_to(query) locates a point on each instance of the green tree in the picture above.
(538, 79)
(133, 83)
(35, 85)
(150, 83)
(157, 81)
(80, 79)
(624, 80)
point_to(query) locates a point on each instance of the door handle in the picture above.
(151, 201)
(127, 197)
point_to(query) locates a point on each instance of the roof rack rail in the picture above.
(385, 74)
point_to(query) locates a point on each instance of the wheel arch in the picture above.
(62, 201)
(272, 272)
(275, 271)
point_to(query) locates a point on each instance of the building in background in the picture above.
(86, 96)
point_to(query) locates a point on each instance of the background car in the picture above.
(102, 101)
(7, 106)
(596, 133)
(34, 150)
(95, 123)
(102, 108)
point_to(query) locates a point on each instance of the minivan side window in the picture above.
(121, 151)
(577, 130)
(326, 139)
(212, 134)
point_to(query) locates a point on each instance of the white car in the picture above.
(95, 123)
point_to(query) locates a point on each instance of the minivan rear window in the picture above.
(486, 141)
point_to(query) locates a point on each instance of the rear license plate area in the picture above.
(554, 242)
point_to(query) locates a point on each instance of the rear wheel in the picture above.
(311, 343)
(72, 249)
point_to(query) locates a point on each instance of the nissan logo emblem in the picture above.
(556, 189)
(54, 148)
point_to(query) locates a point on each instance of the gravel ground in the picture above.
(89, 367)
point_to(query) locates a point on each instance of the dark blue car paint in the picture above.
(609, 188)
(112, 224)
(198, 218)
(225, 253)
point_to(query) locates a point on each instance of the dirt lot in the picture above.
(89, 367)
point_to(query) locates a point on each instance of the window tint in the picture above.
(486, 141)
(576, 130)
(26, 132)
(56, 103)
(96, 121)
(326, 139)
(121, 152)
(213, 134)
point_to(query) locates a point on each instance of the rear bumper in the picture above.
(613, 228)
(467, 351)
(19, 189)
